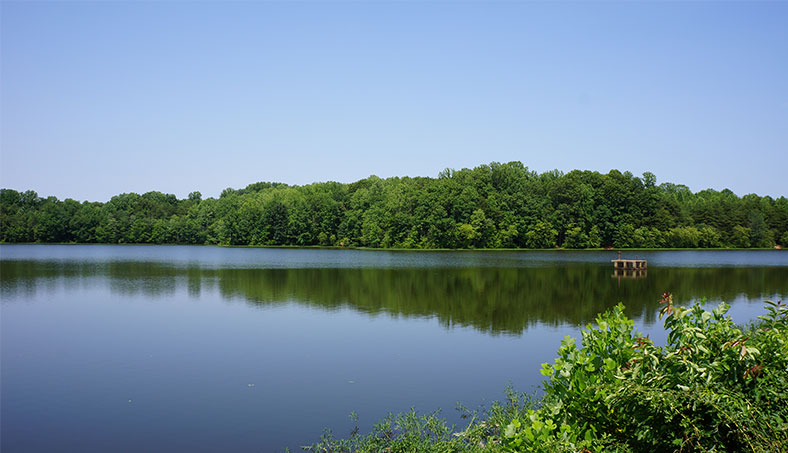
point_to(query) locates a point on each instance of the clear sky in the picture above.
(102, 98)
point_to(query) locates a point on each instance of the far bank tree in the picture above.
(490, 206)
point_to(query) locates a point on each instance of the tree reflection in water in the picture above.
(504, 300)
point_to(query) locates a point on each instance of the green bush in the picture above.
(714, 386)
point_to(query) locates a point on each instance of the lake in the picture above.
(168, 348)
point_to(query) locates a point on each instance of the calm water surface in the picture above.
(162, 348)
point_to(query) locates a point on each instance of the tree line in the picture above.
(490, 206)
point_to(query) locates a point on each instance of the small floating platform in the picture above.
(629, 268)
(630, 265)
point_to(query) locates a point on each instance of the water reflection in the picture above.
(493, 300)
(624, 273)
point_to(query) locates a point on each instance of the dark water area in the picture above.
(162, 348)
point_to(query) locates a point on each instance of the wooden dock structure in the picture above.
(629, 265)
(628, 268)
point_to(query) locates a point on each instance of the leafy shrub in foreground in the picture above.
(714, 386)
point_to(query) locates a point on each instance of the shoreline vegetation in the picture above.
(490, 207)
(400, 249)
(714, 386)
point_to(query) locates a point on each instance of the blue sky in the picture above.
(104, 98)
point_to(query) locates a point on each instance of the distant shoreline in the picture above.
(495, 206)
(395, 249)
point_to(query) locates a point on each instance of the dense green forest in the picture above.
(490, 206)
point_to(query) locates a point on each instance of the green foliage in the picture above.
(624, 236)
(541, 235)
(709, 237)
(740, 237)
(648, 237)
(714, 386)
(495, 205)
(683, 237)
(575, 238)
(405, 433)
